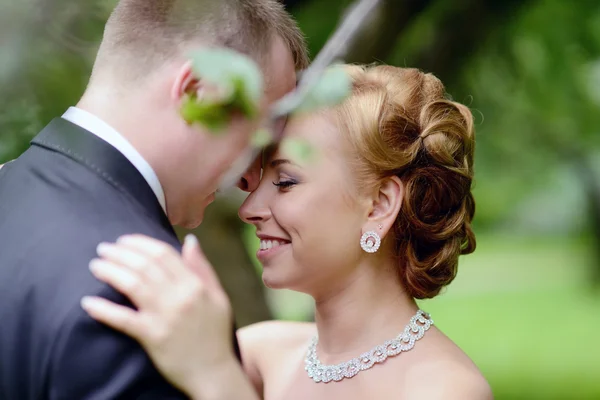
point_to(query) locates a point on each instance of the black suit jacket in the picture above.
(67, 193)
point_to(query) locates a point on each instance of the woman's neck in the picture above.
(367, 309)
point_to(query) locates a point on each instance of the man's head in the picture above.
(142, 73)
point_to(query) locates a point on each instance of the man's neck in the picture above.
(113, 128)
(363, 312)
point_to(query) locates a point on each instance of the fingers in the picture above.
(119, 317)
(139, 267)
(123, 280)
(138, 261)
(153, 248)
(194, 257)
(157, 252)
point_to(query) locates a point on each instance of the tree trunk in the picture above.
(459, 32)
(590, 183)
(379, 35)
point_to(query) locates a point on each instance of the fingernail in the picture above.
(124, 238)
(94, 265)
(87, 302)
(190, 240)
(103, 248)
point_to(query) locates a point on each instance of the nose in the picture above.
(251, 179)
(255, 208)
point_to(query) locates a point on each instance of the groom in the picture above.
(123, 161)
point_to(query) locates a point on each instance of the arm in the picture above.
(224, 382)
(249, 338)
(183, 316)
(93, 362)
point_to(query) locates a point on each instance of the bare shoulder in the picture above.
(267, 345)
(273, 334)
(448, 380)
(444, 371)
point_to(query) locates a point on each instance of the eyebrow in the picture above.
(278, 162)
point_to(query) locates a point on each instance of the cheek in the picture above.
(323, 226)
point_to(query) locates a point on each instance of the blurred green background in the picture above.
(526, 304)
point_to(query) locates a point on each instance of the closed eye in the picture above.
(285, 184)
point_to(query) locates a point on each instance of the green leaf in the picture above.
(213, 116)
(229, 69)
(297, 149)
(238, 81)
(261, 138)
(331, 89)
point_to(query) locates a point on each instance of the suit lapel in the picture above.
(104, 160)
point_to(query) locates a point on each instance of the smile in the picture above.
(270, 247)
(270, 244)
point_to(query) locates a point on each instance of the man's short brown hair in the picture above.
(141, 35)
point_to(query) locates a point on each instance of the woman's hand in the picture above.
(184, 317)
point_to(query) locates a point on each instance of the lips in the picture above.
(270, 245)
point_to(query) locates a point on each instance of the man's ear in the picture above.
(185, 82)
(386, 205)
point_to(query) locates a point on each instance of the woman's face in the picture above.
(308, 214)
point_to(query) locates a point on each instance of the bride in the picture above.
(376, 218)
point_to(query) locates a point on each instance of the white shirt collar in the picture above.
(95, 125)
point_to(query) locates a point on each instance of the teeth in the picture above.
(269, 244)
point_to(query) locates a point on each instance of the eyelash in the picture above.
(285, 184)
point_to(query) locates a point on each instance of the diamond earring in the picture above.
(370, 242)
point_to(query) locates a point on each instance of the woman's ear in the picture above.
(387, 201)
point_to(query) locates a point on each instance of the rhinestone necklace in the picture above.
(405, 341)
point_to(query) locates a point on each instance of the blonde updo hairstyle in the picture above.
(400, 122)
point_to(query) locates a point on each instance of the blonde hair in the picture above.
(141, 35)
(399, 122)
